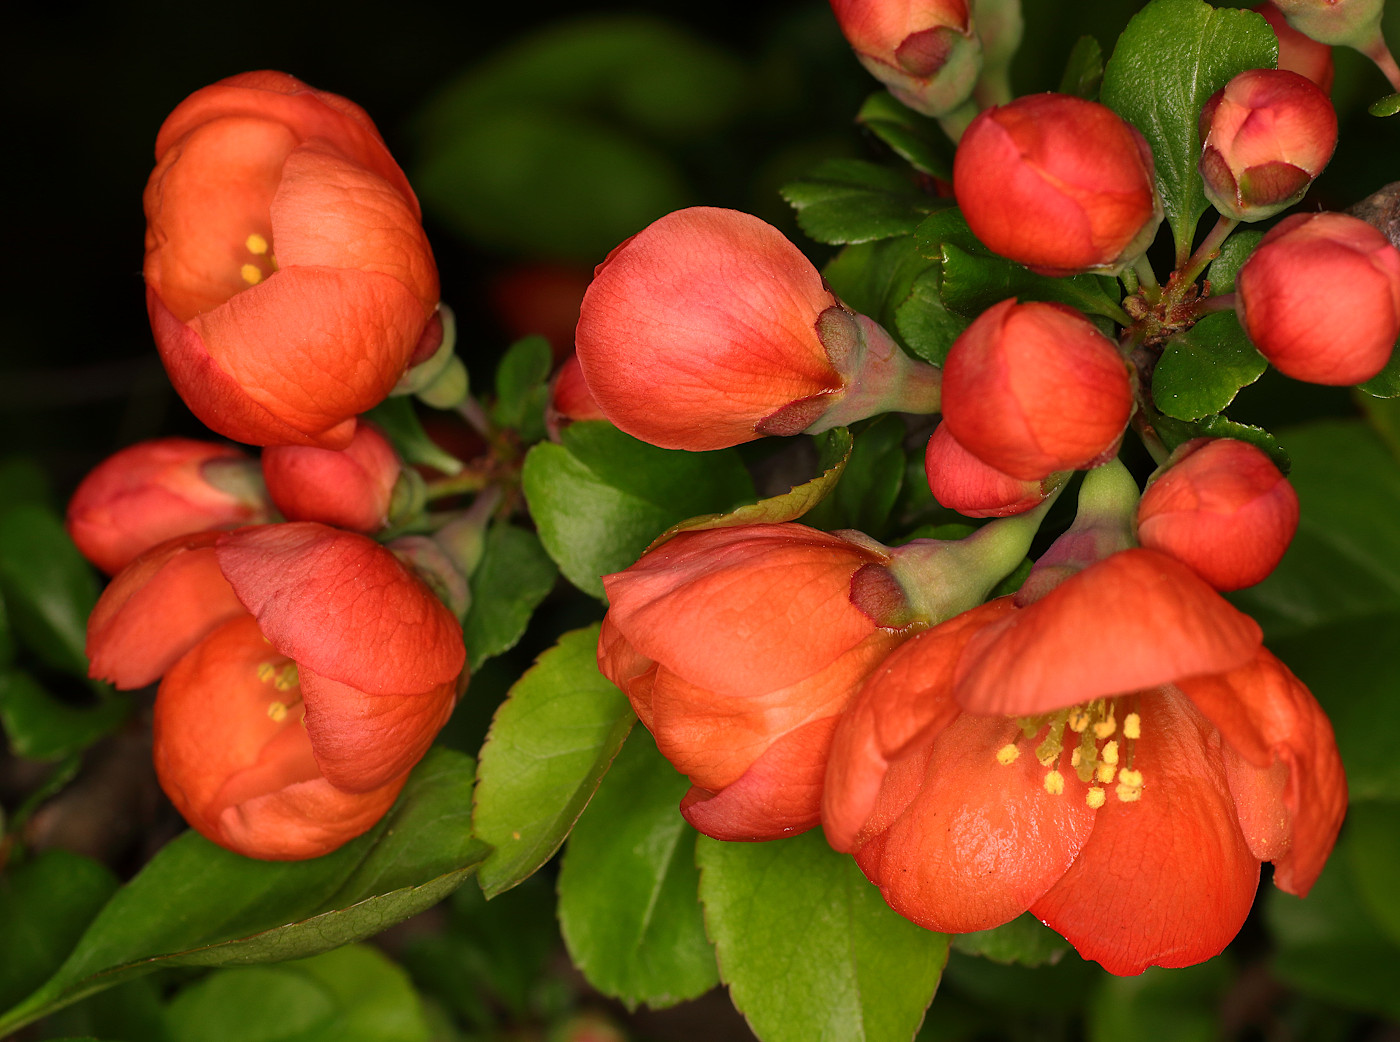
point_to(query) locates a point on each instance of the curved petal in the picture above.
(342, 605)
(742, 610)
(156, 609)
(1285, 773)
(908, 699)
(363, 741)
(980, 840)
(303, 820)
(779, 795)
(631, 671)
(1166, 879)
(1135, 620)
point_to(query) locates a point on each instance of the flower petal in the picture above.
(1134, 620)
(1166, 879)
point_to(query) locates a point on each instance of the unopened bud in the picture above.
(352, 488)
(925, 52)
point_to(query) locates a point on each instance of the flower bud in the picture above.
(708, 328)
(924, 51)
(351, 488)
(288, 278)
(1034, 388)
(1299, 53)
(1352, 23)
(1265, 136)
(962, 482)
(569, 399)
(1320, 298)
(1059, 184)
(156, 490)
(1223, 508)
(739, 648)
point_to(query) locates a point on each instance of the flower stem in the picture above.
(1224, 302)
(1208, 250)
(471, 411)
(956, 121)
(1379, 53)
(1147, 279)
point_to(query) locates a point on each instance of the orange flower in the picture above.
(156, 490)
(739, 648)
(295, 621)
(350, 488)
(1117, 758)
(962, 482)
(288, 278)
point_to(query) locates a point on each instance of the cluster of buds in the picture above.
(304, 666)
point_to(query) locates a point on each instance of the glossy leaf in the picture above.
(865, 496)
(1386, 106)
(1233, 253)
(601, 497)
(40, 727)
(916, 139)
(877, 278)
(1386, 383)
(628, 902)
(550, 744)
(49, 589)
(1084, 70)
(522, 387)
(808, 948)
(852, 201)
(1170, 59)
(787, 506)
(1202, 369)
(197, 904)
(924, 322)
(513, 576)
(1024, 940)
(974, 282)
(1174, 432)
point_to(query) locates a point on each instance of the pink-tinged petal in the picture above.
(779, 795)
(303, 820)
(980, 841)
(1134, 620)
(352, 488)
(156, 609)
(907, 699)
(880, 28)
(1166, 879)
(711, 311)
(734, 610)
(216, 398)
(962, 482)
(363, 741)
(332, 213)
(632, 672)
(713, 737)
(315, 346)
(1284, 769)
(343, 606)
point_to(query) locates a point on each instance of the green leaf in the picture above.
(49, 589)
(197, 904)
(1160, 1005)
(601, 497)
(789, 505)
(522, 387)
(397, 418)
(514, 575)
(45, 905)
(852, 201)
(1202, 369)
(1170, 59)
(40, 727)
(1374, 849)
(1174, 432)
(1386, 106)
(1233, 253)
(628, 903)
(1084, 70)
(974, 282)
(354, 994)
(924, 322)
(808, 948)
(867, 492)
(916, 139)
(550, 744)
(877, 278)
(1024, 940)
(1328, 944)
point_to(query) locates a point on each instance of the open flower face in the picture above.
(288, 277)
(1131, 817)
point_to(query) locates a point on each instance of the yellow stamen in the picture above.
(1054, 783)
(1078, 719)
(1132, 726)
(277, 711)
(1095, 798)
(256, 244)
(1105, 773)
(251, 274)
(1110, 752)
(1076, 756)
(1133, 778)
(266, 671)
(1007, 754)
(1129, 788)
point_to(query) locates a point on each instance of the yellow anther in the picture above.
(286, 678)
(1129, 788)
(1105, 728)
(1054, 783)
(277, 712)
(1110, 752)
(1132, 726)
(1007, 754)
(1076, 756)
(1078, 719)
(266, 672)
(1128, 793)
(256, 244)
(1095, 797)
(1105, 773)
(1133, 778)
(251, 273)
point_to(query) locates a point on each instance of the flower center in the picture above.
(1089, 735)
(260, 262)
(283, 678)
